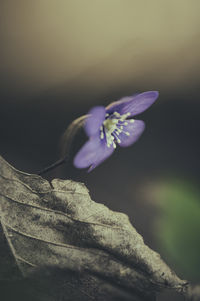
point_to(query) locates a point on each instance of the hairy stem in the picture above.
(66, 143)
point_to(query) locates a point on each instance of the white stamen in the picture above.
(114, 120)
(112, 127)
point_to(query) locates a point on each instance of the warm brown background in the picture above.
(59, 58)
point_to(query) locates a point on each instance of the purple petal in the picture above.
(93, 152)
(134, 105)
(95, 120)
(135, 130)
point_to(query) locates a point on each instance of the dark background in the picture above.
(58, 59)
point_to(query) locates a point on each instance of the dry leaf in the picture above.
(74, 248)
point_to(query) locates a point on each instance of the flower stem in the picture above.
(66, 143)
(52, 166)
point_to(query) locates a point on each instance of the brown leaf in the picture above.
(55, 231)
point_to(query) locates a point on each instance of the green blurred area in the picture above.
(177, 227)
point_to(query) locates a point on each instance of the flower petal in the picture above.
(93, 152)
(135, 130)
(134, 105)
(95, 120)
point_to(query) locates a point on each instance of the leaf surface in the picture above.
(56, 234)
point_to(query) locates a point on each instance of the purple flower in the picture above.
(107, 127)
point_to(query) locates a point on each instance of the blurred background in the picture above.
(60, 58)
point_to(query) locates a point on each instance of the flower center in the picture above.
(113, 126)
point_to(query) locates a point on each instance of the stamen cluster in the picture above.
(114, 125)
